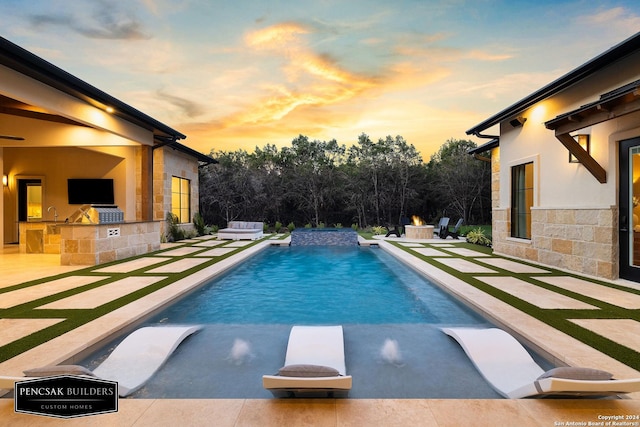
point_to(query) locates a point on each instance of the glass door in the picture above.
(34, 202)
(29, 199)
(629, 203)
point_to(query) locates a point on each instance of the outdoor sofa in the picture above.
(241, 230)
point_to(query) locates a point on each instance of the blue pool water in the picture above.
(319, 285)
(390, 314)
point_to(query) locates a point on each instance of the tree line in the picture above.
(323, 183)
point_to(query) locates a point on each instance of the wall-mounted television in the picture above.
(89, 191)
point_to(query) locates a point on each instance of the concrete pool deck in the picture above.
(331, 412)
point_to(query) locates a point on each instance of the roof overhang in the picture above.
(28, 64)
(488, 146)
(174, 144)
(611, 105)
(601, 61)
(618, 102)
(494, 143)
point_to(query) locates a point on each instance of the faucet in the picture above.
(55, 213)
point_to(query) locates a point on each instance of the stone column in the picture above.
(146, 183)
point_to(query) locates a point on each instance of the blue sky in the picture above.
(240, 74)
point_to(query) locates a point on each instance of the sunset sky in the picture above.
(241, 74)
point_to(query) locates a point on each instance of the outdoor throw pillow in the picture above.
(308, 371)
(571, 373)
(46, 371)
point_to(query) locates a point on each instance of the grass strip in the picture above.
(75, 318)
(556, 318)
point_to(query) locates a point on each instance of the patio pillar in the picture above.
(4, 190)
(146, 183)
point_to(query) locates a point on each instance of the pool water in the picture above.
(390, 314)
(319, 285)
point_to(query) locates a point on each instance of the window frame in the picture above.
(522, 199)
(181, 197)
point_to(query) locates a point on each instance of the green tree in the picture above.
(316, 176)
(383, 177)
(371, 183)
(460, 182)
(369, 157)
(225, 187)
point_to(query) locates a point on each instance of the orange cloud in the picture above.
(312, 94)
(276, 36)
(311, 79)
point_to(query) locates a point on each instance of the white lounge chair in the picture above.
(131, 363)
(511, 371)
(314, 364)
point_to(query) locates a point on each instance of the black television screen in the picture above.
(90, 191)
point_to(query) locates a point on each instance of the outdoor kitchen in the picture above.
(93, 234)
(90, 244)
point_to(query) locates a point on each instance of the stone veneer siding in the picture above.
(169, 163)
(324, 237)
(580, 240)
(50, 236)
(91, 245)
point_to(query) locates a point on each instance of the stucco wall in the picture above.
(54, 166)
(574, 217)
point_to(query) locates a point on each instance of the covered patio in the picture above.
(55, 128)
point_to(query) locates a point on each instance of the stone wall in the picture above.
(580, 240)
(39, 237)
(96, 244)
(169, 163)
(324, 237)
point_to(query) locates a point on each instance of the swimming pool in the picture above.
(390, 314)
(319, 285)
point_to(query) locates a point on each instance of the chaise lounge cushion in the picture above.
(237, 230)
(577, 373)
(244, 225)
(47, 371)
(308, 371)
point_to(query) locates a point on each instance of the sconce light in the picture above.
(518, 121)
(585, 142)
(5, 180)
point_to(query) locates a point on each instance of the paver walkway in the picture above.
(603, 315)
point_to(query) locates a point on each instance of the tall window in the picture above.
(181, 199)
(521, 200)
